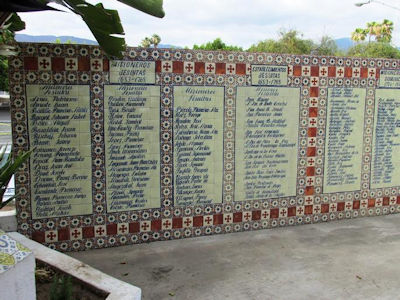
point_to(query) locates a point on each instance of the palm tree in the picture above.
(386, 31)
(373, 29)
(155, 40)
(146, 42)
(359, 34)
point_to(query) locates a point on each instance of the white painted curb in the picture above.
(117, 289)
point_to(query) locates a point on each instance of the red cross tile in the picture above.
(210, 68)
(310, 180)
(300, 210)
(44, 63)
(51, 236)
(378, 202)
(340, 72)
(313, 102)
(283, 212)
(311, 142)
(310, 161)
(166, 224)
(246, 216)
(76, 233)
(305, 71)
(323, 72)
(317, 209)
(312, 122)
(96, 64)
(265, 214)
(71, 64)
(230, 69)
(188, 67)
(187, 222)
(228, 218)
(356, 72)
(145, 226)
(309, 200)
(364, 203)
(99, 230)
(314, 81)
(348, 205)
(208, 220)
(332, 207)
(371, 72)
(123, 228)
(392, 200)
(166, 66)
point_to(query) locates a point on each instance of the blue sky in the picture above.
(237, 22)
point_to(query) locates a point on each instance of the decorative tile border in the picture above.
(78, 64)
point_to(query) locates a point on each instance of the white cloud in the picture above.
(237, 22)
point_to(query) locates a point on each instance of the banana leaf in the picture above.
(8, 167)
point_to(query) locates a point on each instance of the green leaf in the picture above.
(103, 23)
(151, 7)
(15, 23)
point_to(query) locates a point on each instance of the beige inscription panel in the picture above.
(385, 167)
(269, 75)
(59, 131)
(389, 78)
(125, 71)
(198, 144)
(344, 139)
(267, 123)
(132, 143)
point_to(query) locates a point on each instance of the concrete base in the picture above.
(350, 259)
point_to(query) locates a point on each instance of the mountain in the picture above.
(52, 38)
(344, 43)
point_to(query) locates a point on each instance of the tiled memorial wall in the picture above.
(166, 144)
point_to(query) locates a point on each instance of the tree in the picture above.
(326, 46)
(374, 49)
(359, 35)
(290, 42)
(217, 44)
(103, 23)
(154, 40)
(381, 32)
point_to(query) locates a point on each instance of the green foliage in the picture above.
(327, 46)
(374, 49)
(3, 73)
(154, 40)
(104, 23)
(61, 288)
(290, 42)
(217, 44)
(381, 32)
(8, 167)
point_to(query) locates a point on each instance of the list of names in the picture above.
(59, 133)
(385, 170)
(267, 122)
(132, 143)
(198, 144)
(344, 139)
